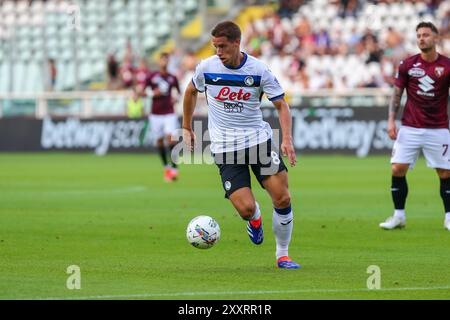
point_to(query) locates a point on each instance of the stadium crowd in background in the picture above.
(295, 49)
(271, 38)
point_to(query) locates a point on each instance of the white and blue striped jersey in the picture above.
(234, 96)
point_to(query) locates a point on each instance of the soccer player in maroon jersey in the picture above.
(425, 123)
(163, 119)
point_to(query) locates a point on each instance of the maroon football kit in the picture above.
(427, 85)
(165, 83)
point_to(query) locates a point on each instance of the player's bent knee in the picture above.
(247, 212)
(282, 201)
(399, 170)
(244, 202)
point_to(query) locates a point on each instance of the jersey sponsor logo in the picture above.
(439, 71)
(216, 79)
(417, 64)
(233, 107)
(225, 94)
(426, 84)
(416, 72)
(163, 85)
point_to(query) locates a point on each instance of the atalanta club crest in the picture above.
(439, 71)
(249, 81)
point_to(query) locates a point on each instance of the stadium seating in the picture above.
(78, 35)
(349, 69)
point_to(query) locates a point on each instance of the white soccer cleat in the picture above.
(393, 222)
(447, 224)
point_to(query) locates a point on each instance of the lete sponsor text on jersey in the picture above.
(226, 93)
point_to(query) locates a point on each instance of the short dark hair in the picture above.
(430, 25)
(227, 29)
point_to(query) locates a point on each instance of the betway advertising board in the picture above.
(357, 131)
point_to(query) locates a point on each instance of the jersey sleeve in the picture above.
(401, 77)
(270, 86)
(199, 78)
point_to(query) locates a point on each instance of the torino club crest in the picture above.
(439, 71)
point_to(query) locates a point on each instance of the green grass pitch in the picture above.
(117, 220)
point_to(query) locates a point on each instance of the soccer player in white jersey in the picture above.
(234, 84)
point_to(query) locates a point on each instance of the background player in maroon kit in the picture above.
(163, 120)
(426, 78)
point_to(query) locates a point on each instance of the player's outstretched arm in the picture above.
(189, 102)
(394, 107)
(284, 114)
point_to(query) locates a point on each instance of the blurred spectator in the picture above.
(297, 73)
(394, 44)
(431, 6)
(296, 66)
(372, 83)
(189, 62)
(142, 76)
(287, 8)
(444, 28)
(368, 37)
(253, 40)
(305, 36)
(393, 38)
(112, 68)
(348, 8)
(174, 66)
(129, 54)
(127, 72)
(373, 51)
(353, 38)
(318, 80)
(51, 74)
(135, 105)
(277, 35)
(329, 84)
(322, 42)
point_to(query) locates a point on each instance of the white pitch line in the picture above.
(182, 294)
(131, 189)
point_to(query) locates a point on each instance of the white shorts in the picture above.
(163, 125)
(434, 144)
